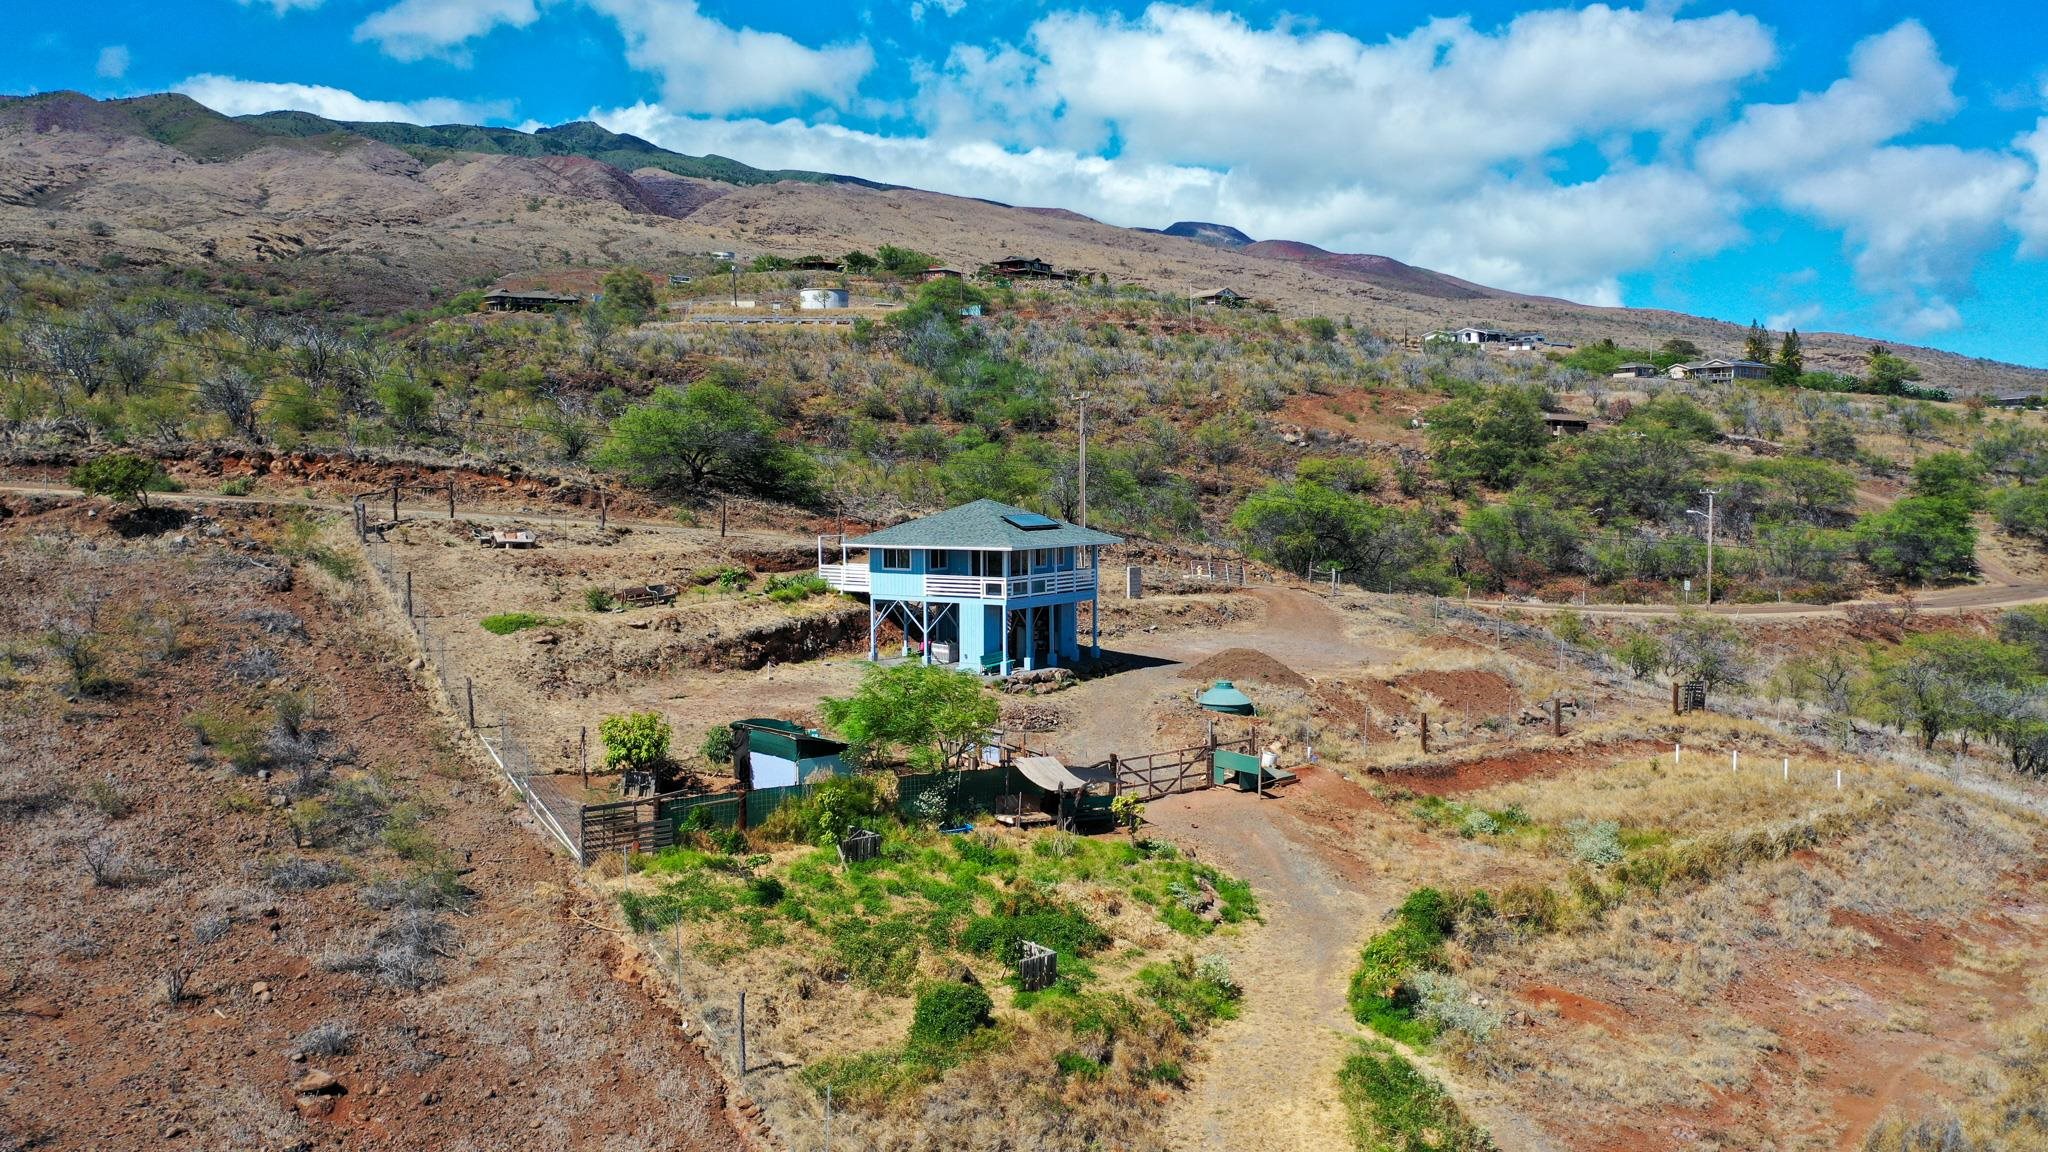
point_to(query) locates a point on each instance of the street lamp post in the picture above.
(1081, 398)
(1708, 516)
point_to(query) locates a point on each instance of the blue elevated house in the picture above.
(985, 586)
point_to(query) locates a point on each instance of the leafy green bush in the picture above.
(599, 600)
(1382, 996)
(836, 805)
(120, 477)
(1048, 923)
(634, 741)
(1192, 993)
(239, 486)
(948, 1013)
(717, 745)
(506, 623)
(791, 589)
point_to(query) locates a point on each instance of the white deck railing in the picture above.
(855, 577)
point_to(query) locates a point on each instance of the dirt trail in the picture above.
(1269, 1081)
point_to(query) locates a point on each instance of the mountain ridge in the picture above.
(385, 216)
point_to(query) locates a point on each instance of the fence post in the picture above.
(721, 517)
(1734, 760)
(394, 501)
(583, 755)
(743, 1013)
(1116, 779)
(451, 499)
(1556, 716)
(408, 594)
(601, 507)
(1788, 769)
(469, 691)
(1425, 733)
(1674, 697)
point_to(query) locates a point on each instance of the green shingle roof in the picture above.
(981, 525)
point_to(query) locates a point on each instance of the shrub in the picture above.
(1397, 1109)
(239, 486)
(1595, 842)
(599, 600)
(836, 805)
(948, 1013)
(330, 1039)
(1382, 995)
(299, 874)
(506, 623)
(1192, 993)
(119, 477)
(717, 745)
(1048, 923)
(790, 589)
(635, 741)
(1445, 1001)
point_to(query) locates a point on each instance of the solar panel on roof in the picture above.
(1030, 521)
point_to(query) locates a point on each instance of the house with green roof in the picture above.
(986, 586)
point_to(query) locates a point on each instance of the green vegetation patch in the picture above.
(1394, 1108)
(506, 623)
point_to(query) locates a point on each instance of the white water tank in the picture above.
(813, 298)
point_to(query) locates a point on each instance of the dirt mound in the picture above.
(1472, 691)
(1245, 666)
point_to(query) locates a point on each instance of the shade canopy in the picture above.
(1223, 696)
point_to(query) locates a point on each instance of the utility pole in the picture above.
(1081, 398)
(1708, 515)
(733, 267)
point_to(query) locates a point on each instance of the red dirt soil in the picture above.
(1245, 666)
(527, 1042)
(1471, 691)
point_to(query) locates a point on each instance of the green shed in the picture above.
(769, 753)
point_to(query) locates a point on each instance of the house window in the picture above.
(936, 560)
(1041, 557)
(895, 559)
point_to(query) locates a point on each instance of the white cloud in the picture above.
(1917, 221)
(415, 29)
(281, 6)
(709, 67)
(113, 62)
(918, 8)
(1896, 82)
(1433, 109)
(1800, 316)
(2030, 219)
(236, 97)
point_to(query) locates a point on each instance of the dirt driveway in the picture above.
(1270, 1079)
(1300, 629)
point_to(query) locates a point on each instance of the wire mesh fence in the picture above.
(499, 736)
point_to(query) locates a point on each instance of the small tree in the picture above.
(933, 712)
(705, 436)
(1791, 361)
(120, 477)
(629, 295)
(636, 742)
(1640, 651)
(1706, 650)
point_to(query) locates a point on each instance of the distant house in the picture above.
(1024, 268)
(985, 586)
(1484, 336)
(817, 264)
(1220, 297)
(677, 280)
(1525, 342)
(1565, 424)
(505, 300)
(1719, 371)
(940, 272)
(2016, 400)
(726, 256)
(1634, 371)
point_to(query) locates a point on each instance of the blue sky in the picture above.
(1859, 166)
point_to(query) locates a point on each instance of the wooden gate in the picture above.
(1161, 774)
(625, 824)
